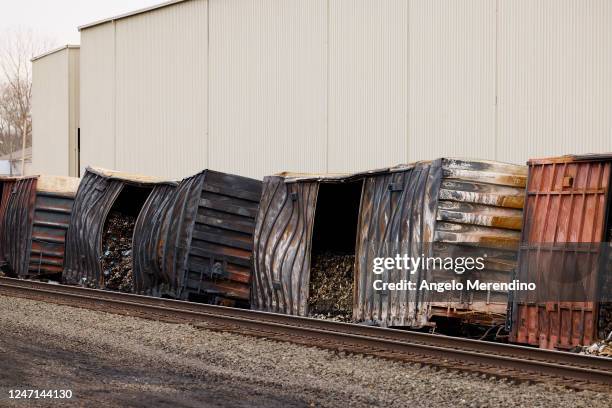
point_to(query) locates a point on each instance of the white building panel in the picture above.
(451, 79)
(368, 84)
(268, 86)
(50, 113)
(255, 87)
(55, 97)
(98, 96)
(555, 81)
(161, 91)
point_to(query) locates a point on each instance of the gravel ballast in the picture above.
(111, 360)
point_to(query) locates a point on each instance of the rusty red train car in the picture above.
(565, 252)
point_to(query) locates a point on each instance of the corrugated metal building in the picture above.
(254, 87)
(55, 112)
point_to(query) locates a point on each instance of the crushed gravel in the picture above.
(123, 361)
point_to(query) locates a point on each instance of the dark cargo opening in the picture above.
(117, 238)
(333, 250)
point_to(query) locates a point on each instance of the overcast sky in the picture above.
(58, 20)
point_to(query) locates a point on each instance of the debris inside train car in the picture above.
(331, 286)
(117, 251)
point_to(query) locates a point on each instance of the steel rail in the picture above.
(503, 360)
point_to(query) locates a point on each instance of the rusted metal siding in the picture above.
(34, 217)
(17, 226)
(204, 241)
(568, 200)
(52, 213)
(283, 238)
(219, 256)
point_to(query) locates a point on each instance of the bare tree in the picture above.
(17, 48)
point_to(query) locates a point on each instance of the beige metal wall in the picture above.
(258, 86)
(98, 97)
(368, 84)
(161, 56)
(268, 85)
(555, 78)
(74, 58)
(452, 79)
(55, 100)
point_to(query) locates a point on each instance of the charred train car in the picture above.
(445, 207)
(195, 241)
(34, 216)
(102, 193)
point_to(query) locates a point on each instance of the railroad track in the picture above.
(452, 353)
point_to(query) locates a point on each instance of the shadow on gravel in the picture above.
(30, 362)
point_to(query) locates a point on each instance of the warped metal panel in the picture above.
(452, 79)
(161, 68)
(6, 188)
(149, 238)
(282, 245)
(268, 86)
(97, 97)
(554, 87)
(17, 226)
(368, 84)
(92, 203)
(397, 216)
(566, 220)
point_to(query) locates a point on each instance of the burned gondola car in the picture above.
(195, 243)
(100, 237)
(565, 251)
(446, 207)
(35, 213)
